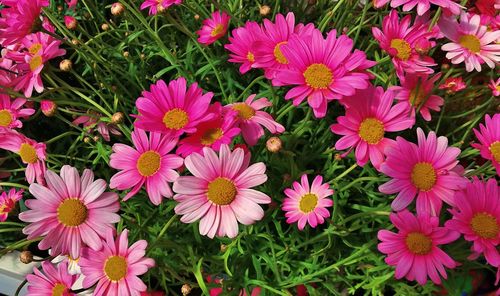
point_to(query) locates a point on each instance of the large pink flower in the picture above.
(414, 249)
(21, 19)
(116, 267)
(70, 211)
(8, 202)
(149, 163)
(369, 115)
(427, 170)
(156, 6)
(489, 140)
(323, 69)
(11, 111)
(214, 28)
(219, 191)
(422, 5)
(241, 45)
(52, 281)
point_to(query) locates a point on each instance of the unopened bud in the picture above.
(223, 248)
(274, 144)
(117, 8)
(185, 289)
(126, 54)
(65, 65)
(264, 10)
(70, 22)
(48, 107)
(196, 16)
(117, 118)
(86, 140)
(26, 257)
(105, 27)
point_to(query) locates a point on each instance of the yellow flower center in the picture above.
(5, 118)
(210, 136)
(148, 163)
(72, 212)
(470, 42)
(418, 243)
(35, 48)
(423, 176)
(278, 55)
(244, 111)
(308, 202)
(59, 290)
(28, 153)
(484, 225)
(221, 191)
(35, 62)
(219, 29)
(115, 268)
(371, 130)
(417, 96)
(318, 76)
(175, 119)
(495, 150)
(251, 57)
(402, 47)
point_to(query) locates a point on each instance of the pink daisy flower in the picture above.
(148, 163)
(489, 140)
(52, 281)
(221, 129)
(323, 70)
(422, 5)
(11, 110)
(251, 120)
(477, 216)
(307, 204)
(453, 85)
(32, 153)
(414, 249)
(70, 211)
(172, 109)
(369, 115)
(241, 45)
(495, 87)
(116, 267)
(21, 19)
(219, 191)
(471, 42)
(213, 28)
(8, 202)
(427, 170)
(400, 41)
(93, 120)
(156, 6)
(416, 91)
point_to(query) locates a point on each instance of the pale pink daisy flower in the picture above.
(173, 109)
(221, 129)
(489, 140)
(219, 192)
(416, 91)
(71, 211)
(241, 45)
(156, 6)
(116, 267)
(414, 249)
(93, 120)
(11, 111)
(21, 19)
(213, 28)
(477, 216)
(495, 87)
(148, 163)
(307, 204)
(323, 70)
(251, 119)
(55, 281)
(427, 170)
(8, 202)
(370, 114)
(453, 85)
(422, 5)
(471, 43)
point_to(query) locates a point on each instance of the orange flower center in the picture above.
(318, 76)
(251, 57)
(59, 290)
(308, 202)
(495, 150)
(5, 118)
(35, 62)
(72, 212)
(484, 225)
(423, 176)
(221, 191)
(418, 243)
(371, 130)
(218, 30)
(28, 153)
(470, 42)
(115, 268)
(245, 112)
(148, 163)
(35, 48)
(402, 47)
(278, 55)
(210, 136)
(175, 119)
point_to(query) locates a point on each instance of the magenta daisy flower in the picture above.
(251, 119)
(213, 28)
(422, 5)
(489, 140)
(219, 192)
(148, 163)
(453, 85)
(52, 281)
(21, 19)
(70, 211)
(477, 216)
(241, 45)
(369, 115)
(414, 249)
(221, 129)
(8, 202)
(495, 87)
(307, 204)
(156, 6)
(11, 111)
(323, 69)
(416, 91)
(472, 43)
(172, 109)
(116, 267)
(427, 170)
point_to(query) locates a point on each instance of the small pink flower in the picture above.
(453, 85)
(414, 249)
(20, 19)
(116, 267)
(307, 204)
(149, 163)
(48, 107)
(156, 6)
(422, 5)
(52, 281)
(11, 111)
(93, 120)
(241, 45)
(489, 140)
(495, 87)
(369, 115)
(8, 202)
(219, 192)
(70, 22)
(251, 120)
(214, 28)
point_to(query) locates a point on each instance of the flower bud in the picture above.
(65, 65)
(117, 118)
(264, 10)
(48, 107)
(117, 8)
(105, 27)
(185, 289)
(70, 22)
(274, 144)
(26, 257)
